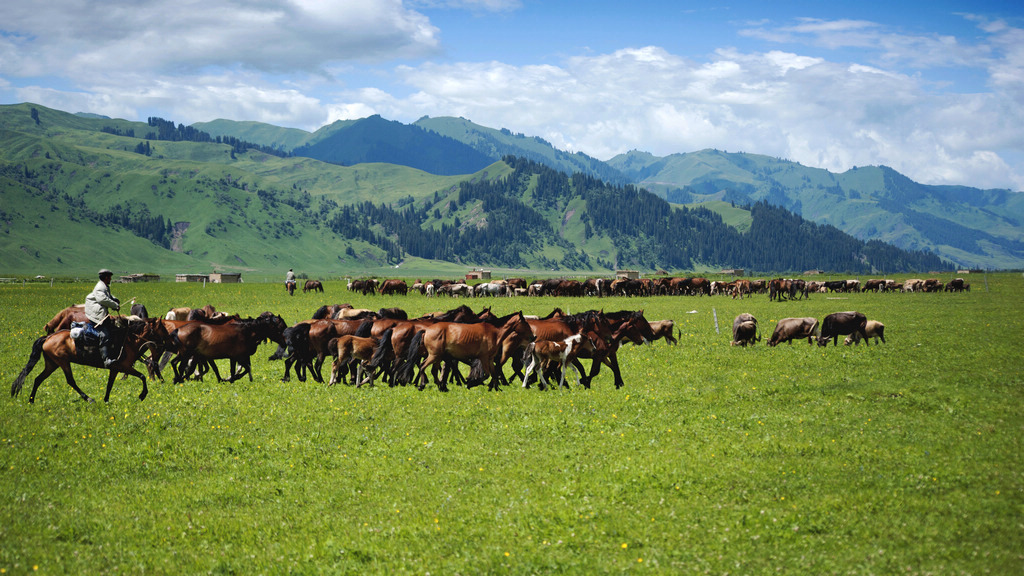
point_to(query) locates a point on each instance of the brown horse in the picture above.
(357, 350)
(59, 350)
(64, 318)
(480, 345)
(236, 340)
(289, 286)
(313, 286)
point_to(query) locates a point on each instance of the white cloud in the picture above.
(81, 40)
(305, 63)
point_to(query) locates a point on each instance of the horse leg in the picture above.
(585, 377)
(130, 371)
(612, 360)
(48, 367)
(561, 380)
(529, 370)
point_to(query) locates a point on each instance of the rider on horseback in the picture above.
(96, 305)
(290, 276)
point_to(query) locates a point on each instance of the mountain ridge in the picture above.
(252, 210)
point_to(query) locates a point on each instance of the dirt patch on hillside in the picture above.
(178, 235)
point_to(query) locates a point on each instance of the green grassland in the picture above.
(904, 457)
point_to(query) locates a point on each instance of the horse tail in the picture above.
(365, 328)
(383, 349)
(477, 374)
(405, 371)
(37, 351)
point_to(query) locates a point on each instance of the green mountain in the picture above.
(496, 144)
(266, 134)
(968, 226)
(80, 193)
(375, 139)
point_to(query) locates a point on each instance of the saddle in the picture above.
(87, 340)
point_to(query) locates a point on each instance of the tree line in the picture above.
(516, 212)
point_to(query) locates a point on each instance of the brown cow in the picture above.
(789, 329)
(744, 330)
(873, 329)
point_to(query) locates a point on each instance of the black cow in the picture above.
(842, 324)
(835, 286)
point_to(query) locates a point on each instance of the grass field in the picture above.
(900, 458)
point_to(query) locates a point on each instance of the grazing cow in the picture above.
(700, 286)
(874, 285)
(836, 286)
(913, 285)
(778, 288)
(841, 324)
(873, 329)
(546, 353)
(853, 285)
(744, 330)
(789, 329)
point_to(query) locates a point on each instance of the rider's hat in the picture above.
(105, 272)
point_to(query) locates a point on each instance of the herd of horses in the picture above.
(365, 344)
(386, 344)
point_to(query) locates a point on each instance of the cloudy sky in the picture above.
(933, 88)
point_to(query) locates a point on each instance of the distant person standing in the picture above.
(96, 305)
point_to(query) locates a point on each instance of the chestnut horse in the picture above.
(479, 344)
(313, 286)
(289, 286)
(59, 350)
(64, 318)
(359, 351)
(236, 340)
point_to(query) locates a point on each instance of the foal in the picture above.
(546, 353)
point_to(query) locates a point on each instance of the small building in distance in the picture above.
(628, 274)
(478, 275)
(191, 277)
(226, 278)
(733, 271)
(140, 278)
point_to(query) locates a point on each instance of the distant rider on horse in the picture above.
(96, 305)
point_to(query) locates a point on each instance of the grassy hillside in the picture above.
(258, 132)
(63, 178)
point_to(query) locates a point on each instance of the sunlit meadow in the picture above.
(904, 457)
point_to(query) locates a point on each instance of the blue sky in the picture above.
(933, 89)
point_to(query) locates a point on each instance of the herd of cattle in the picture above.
(777, 289)
(854, 325)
